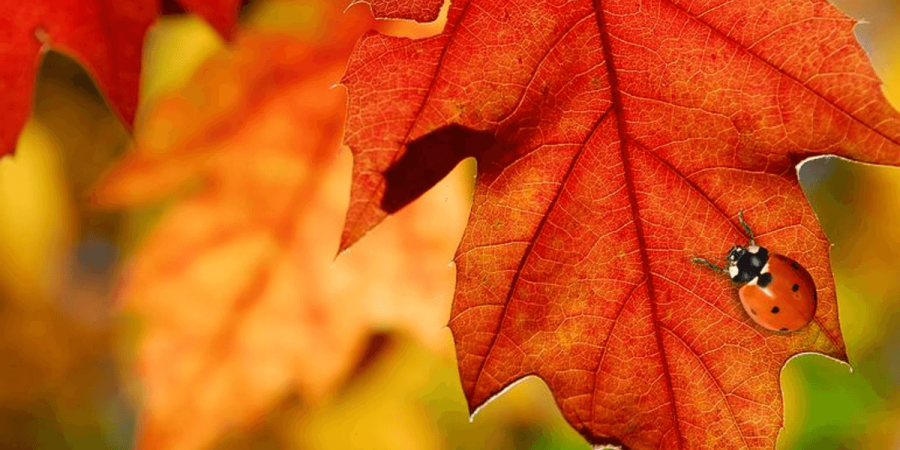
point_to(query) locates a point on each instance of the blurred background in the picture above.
(105, 336)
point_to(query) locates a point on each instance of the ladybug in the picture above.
(777, 292)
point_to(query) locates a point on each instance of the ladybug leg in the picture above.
(746, 227)
(708, 264)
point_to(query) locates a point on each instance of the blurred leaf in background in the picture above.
(238, 297)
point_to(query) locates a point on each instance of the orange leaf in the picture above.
(616, 140)
(242, 299)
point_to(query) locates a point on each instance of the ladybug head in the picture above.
(735, 254)
(746, 263)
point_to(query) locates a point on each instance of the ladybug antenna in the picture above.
(708, 264)
(746, 227)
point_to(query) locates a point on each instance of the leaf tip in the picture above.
(351, 234)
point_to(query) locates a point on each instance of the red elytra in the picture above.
(777, 292)
(788, 302)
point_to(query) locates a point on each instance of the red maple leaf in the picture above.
(616, 140)
(106, 36)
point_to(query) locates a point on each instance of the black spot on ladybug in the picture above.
(784, 329)
(795, 265)
(764, 280)
(815, 295)
(795, 287)
(775, 310)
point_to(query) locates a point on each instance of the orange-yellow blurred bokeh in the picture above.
(69, 352)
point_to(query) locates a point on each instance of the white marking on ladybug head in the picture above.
(765, 268)
(753, 249)
(753, 281)
(733, 271)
